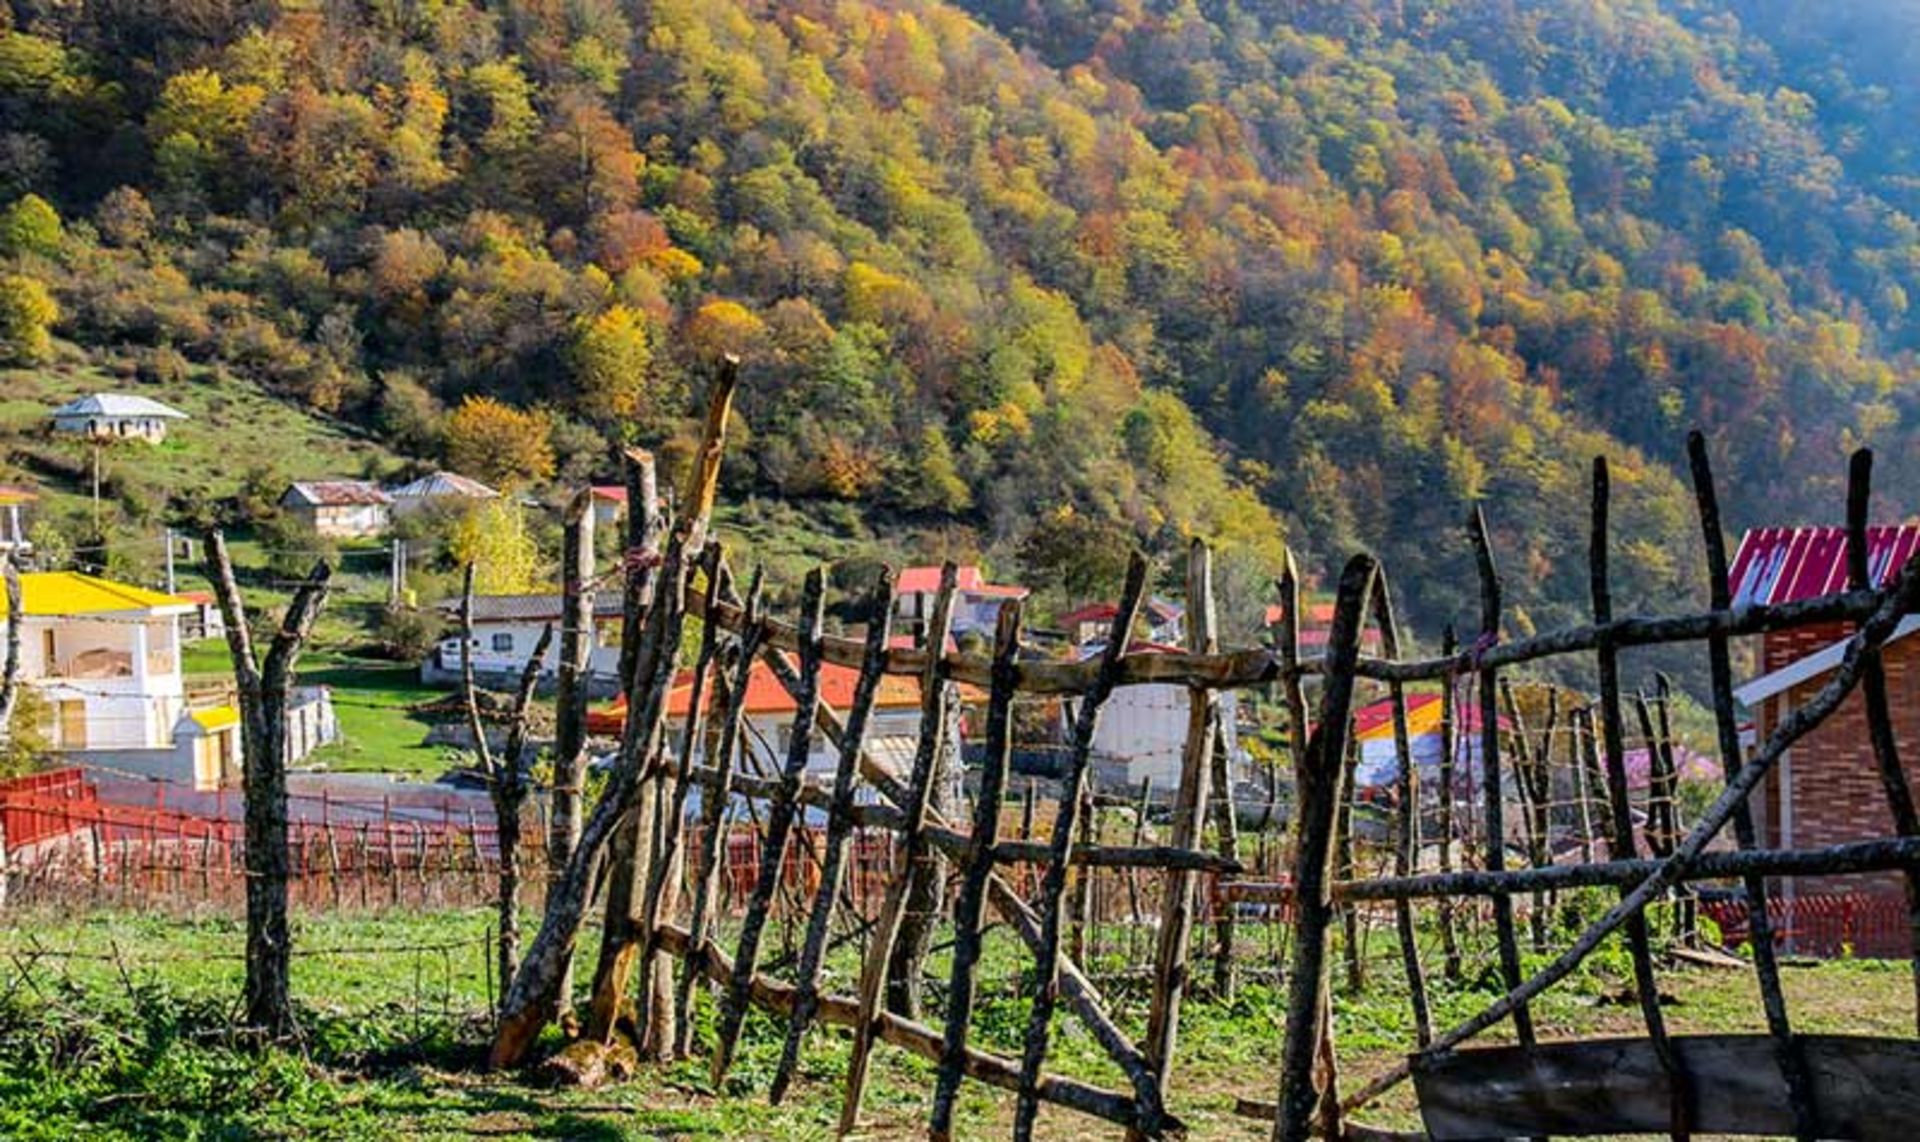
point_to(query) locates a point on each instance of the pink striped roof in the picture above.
(1787, 564)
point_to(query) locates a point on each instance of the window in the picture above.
(503, 643)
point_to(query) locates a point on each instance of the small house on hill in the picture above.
(339, 509)
(116, 416)
(976, 603)
(438, 488)
(1826, 789)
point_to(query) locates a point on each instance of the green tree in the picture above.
(30, 225)
(611, 354)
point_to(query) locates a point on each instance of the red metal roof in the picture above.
(926, 580)
(1786, 564)
(766, 695)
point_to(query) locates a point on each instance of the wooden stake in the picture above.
(1053, 886)
(1305, 1097)
(973, 890)
(1766, 965)
(840, 824)
(780, 818)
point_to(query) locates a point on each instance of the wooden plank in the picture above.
(1053, 886)
(1863, 1088)
(973, 888)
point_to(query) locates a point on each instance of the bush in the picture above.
(408, 634)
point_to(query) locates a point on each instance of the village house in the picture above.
(1165, 622)
(13, 524)
(339, 509)
(437, 488)
(976, 603)
(507, 627)
(893, 728)
(1826, 789)
(116, 416)
(1142, 731)
(609, 505)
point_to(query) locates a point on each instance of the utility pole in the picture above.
(170, 543)
(396, 551)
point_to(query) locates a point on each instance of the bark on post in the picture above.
(780, 819)
(506, 781)
(1053, 886)
(840, 822)
(1886, 752)
(659, 1030)
(535, 996)
(1189, 810)
(263, 687)
(914, 849)
(1766, 964)
(1528, 763)
(1613, 740)
(570, 679)
(973, 891)
(1227, 835)
(1490, 767)
(1286, 645)
(1305, 1097)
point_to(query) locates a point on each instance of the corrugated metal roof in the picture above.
(1786, 564)
(336, 493)
(607, 603)
(443, 484)
(118, 404)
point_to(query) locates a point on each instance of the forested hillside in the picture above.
(1025, 278)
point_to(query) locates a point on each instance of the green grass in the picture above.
(373, 699)
(131, 1040)
(233, 427)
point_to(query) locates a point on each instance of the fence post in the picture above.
(1318, 779)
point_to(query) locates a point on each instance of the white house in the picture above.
(13, 528)
(976, 603)
(341, 509)
(438, 487)
(1144, 728)
(506, 628)
(116, 416)
(105, 656)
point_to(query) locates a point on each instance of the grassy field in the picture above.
(130, 1040)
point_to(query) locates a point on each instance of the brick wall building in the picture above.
(1826, 789)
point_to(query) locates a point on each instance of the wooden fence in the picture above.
(1202, 856)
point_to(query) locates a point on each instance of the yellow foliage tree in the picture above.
(610, 358)
(502, 445)
(495, 539)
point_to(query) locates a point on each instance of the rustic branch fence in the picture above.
(1202, 873)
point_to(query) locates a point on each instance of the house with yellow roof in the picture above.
(105, 656)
